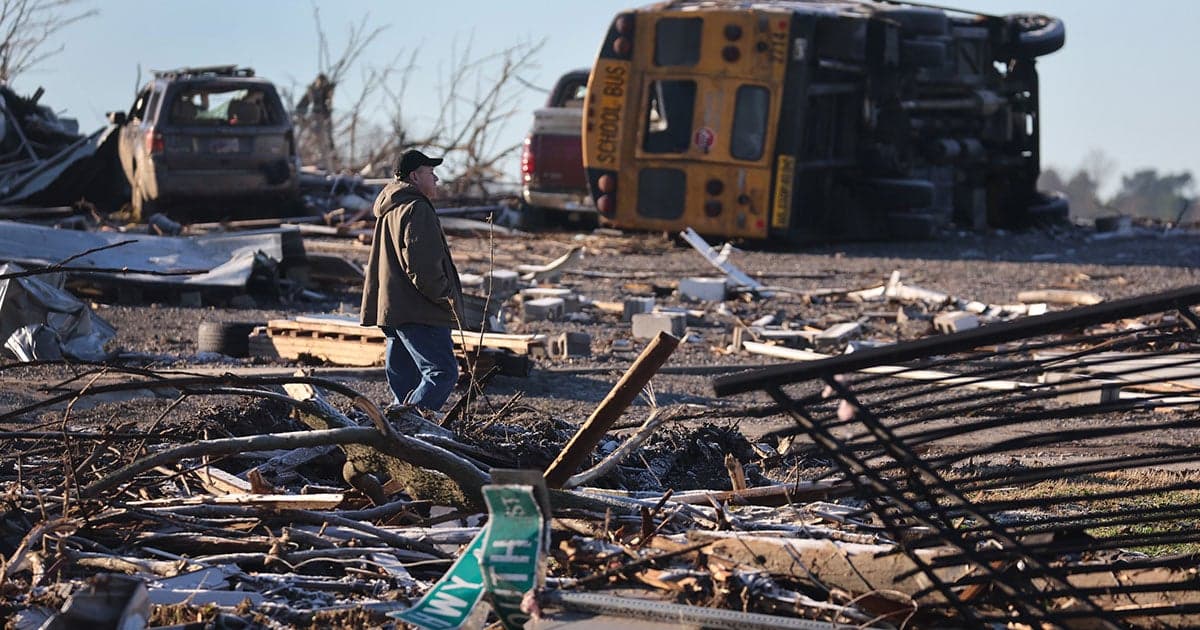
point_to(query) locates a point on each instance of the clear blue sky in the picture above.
(1124, 83)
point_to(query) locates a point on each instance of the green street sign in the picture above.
(450, 601)
(506, 560)
(512, 550)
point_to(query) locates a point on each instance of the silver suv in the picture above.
(211, 134)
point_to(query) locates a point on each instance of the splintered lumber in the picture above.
(218, 481)
(855, 568)
(1060, 296)
(576, 452)
(266, 501)
(782, 494)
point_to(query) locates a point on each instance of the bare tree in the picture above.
(479, 97)
(316, 131)
(26, 28)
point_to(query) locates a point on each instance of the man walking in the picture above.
(412, 289)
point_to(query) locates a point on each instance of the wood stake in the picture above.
(576, 452)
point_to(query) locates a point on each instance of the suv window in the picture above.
(217, 105)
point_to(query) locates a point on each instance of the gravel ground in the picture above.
(987, 267)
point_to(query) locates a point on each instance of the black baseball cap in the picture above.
(411, 160)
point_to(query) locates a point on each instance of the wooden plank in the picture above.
(218, 481)
(470, 339)
(268, 501)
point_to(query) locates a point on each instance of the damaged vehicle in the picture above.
(209, 135)
(808, 120)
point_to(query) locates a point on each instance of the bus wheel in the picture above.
(898, 193)
(1048, 209)
(911, 226)
(916, 20)
(1037, 35)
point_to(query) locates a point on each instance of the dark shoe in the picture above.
(396, 411)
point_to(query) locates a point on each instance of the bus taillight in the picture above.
(607, 184)
(713, 208)
(606, 205)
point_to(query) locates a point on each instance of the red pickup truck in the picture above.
(552, 176)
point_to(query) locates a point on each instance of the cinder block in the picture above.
(836, 336)
(635, 305)
(471, 282)
(703, 289)
(648, 325)
(501, 283)
(571, 300)
(571, 344)
(542, 309)
(955, 321)
(1077, 389)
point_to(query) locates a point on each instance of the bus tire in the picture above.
(912, 226)
(231, 339)
(1037, 35)
(898, 193)
(917, 20)
(1050, 208)
(917, 53)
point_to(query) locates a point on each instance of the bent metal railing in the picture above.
(1010, 448)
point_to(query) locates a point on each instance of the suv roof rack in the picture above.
(215, 71)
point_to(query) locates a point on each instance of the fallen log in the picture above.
(441, 477)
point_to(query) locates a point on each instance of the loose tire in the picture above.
(228, 338)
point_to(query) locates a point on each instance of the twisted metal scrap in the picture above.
(911, 447)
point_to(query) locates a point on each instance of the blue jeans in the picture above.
(420, 365)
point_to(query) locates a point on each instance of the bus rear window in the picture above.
(670, 105)
(750, 122)
(661, 193)
(677, 41)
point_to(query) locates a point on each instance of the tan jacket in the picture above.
(410, 277)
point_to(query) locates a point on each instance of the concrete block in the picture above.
(501, 283)
(471, 282)
(648, 325)
(571, 344)
(836, 336)
(955, 321)
(543, 309)
(635, 305)
(703, 289)
(572, 302)
(1077, 389)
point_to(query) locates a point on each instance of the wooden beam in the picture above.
(576, 452)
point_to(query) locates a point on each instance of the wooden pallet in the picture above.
(359, 346)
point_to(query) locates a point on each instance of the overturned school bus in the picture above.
(812, 119)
